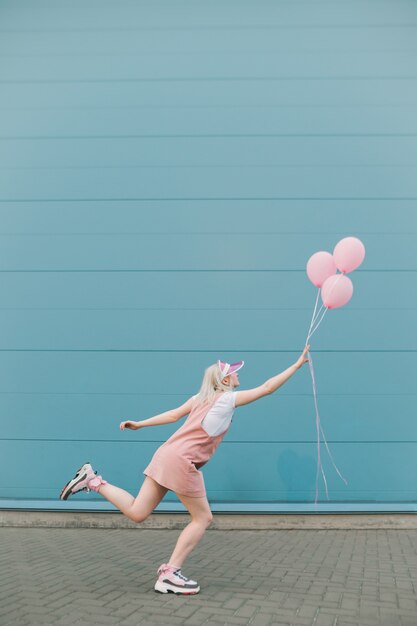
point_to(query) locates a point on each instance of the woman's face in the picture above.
(232, 380)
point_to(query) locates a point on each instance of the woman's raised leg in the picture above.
(139, 508)
(202, 517)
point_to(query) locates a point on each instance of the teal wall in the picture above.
(167, 169)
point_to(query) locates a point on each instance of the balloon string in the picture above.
(316, 327)
(344, 479)
(315, 317)
(319, 426)
(313, 327)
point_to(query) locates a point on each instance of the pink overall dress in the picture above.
(176, 462)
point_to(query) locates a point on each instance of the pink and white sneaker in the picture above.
(171, 580)
(85, 479)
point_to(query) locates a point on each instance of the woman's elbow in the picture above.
(174, 415)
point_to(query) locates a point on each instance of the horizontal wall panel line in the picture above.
(215, 351)
(214, 271)
(74, 6)
(231, 27)
(230, 4)
(169, 52)
(84, 107)
(217, 506)
(201, 135)
(214, 199)
(186, 79)
(202, 308)
(226, 442)
(206, 166)
(204, 233)
(187, 3)
(190, 393)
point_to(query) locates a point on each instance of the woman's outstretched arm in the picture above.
(272, 384)
(163, 418)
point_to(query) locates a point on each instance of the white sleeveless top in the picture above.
(218, 419)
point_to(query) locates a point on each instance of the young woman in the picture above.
(176, 463)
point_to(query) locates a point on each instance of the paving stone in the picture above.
(246, 610)
(306, 578)
(408, 621)
(233, 603)
(325, 620)
(262, 619)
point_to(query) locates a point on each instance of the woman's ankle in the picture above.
(95, 483)
(174, 566)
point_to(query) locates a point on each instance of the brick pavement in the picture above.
(302, 577)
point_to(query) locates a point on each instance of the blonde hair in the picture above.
(211, 384)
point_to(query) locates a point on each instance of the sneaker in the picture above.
(81, 481)
(171, 580)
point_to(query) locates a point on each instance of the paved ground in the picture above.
(310, 577)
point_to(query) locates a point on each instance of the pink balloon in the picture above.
(320, 266)
(349, 254)
(337, 290)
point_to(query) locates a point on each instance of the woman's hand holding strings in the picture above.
(302, 359)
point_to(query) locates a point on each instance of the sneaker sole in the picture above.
(161, 587)
(66, 491)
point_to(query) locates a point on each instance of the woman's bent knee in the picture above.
(204, 521)
(139, 517)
